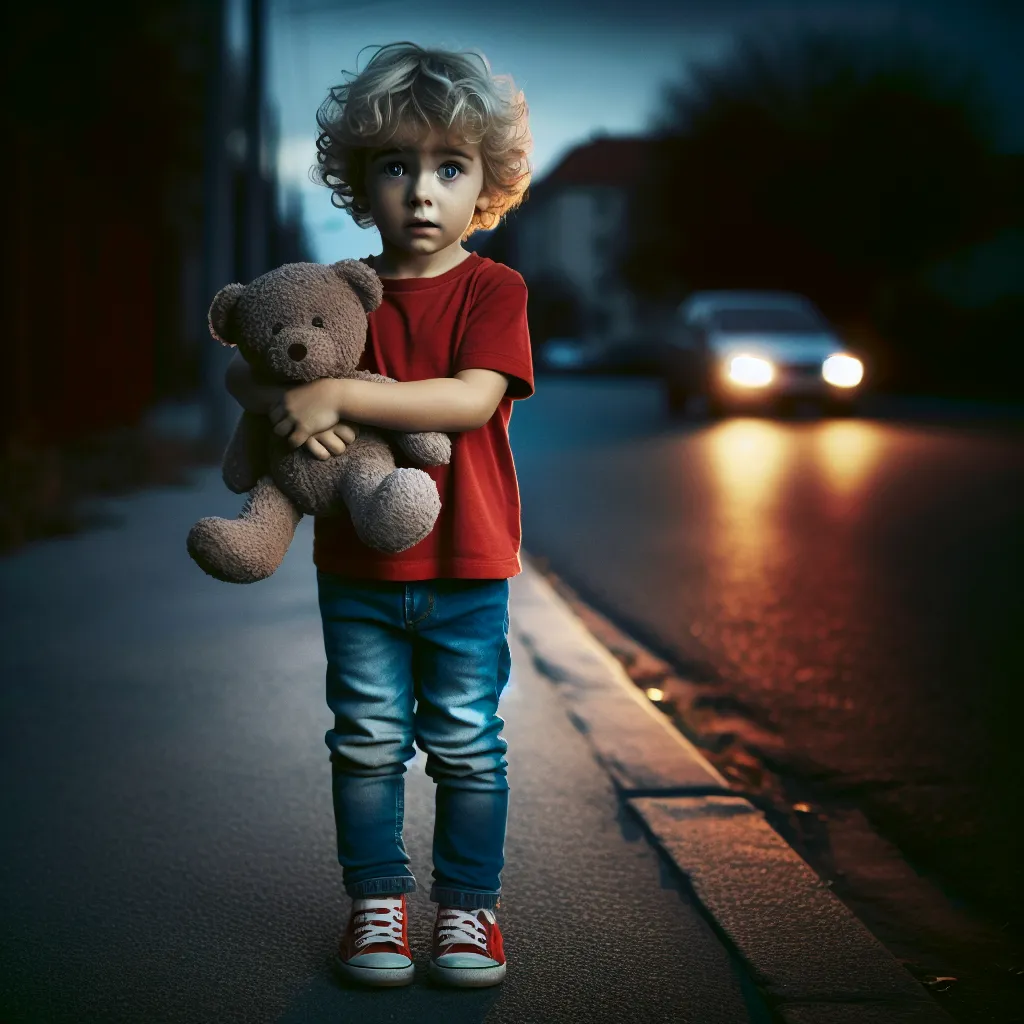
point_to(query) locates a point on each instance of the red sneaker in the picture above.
(467, 950)
(375, 946)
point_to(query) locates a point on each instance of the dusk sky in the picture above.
(585, 68)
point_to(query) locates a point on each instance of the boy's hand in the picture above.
(329, 443)
(306, 410)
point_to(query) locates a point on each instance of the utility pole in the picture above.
(219, 408)
(256, 185)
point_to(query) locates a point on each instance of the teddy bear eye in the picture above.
(276, 329)
(318, 321)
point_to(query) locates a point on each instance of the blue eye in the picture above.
(454, 167)
(389, 165)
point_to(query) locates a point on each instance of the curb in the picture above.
(811, 957)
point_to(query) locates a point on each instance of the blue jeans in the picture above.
(444, 644)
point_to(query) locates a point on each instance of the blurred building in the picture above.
(141, 176)
(567, 238)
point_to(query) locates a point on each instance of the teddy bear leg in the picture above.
(251, 547)
(392, 509)
(401, 511)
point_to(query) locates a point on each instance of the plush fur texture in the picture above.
(296, 324)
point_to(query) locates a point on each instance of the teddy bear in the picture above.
(295, 324)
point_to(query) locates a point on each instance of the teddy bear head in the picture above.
(301, 321)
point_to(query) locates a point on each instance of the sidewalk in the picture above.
(169, 836)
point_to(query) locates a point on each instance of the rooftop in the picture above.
(605, 160)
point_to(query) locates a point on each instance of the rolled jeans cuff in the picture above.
(461, 898)
(373, 886)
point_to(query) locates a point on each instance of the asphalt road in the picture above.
(850, 587)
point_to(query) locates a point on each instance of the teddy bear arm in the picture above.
(246, 458)
(427, 447)
(376, 378)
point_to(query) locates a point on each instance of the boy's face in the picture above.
(436, 178)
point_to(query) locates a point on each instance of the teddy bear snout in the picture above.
(297, 352)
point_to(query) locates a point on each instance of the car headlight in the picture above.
(843, 371)
(750, 371)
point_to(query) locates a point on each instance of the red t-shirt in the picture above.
(472, 316)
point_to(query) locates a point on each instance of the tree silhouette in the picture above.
(832, 165)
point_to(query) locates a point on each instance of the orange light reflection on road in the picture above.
(848, 455)
(748, 465)
(762, 477)
(747, 459)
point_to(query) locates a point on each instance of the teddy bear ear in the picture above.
(221, 308)
(365, 283)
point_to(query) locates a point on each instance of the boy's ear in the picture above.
(363, 281)
(483, 201)
(221, 309)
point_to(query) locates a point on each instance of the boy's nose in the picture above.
(420, 191)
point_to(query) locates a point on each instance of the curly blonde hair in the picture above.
(406, 86)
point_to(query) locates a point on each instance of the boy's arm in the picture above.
(243, 387)
(447, 404)
(261, 398)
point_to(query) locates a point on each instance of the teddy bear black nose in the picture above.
(297, 352)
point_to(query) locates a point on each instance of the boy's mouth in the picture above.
(421, 224)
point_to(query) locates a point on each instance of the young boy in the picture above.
(426, 146)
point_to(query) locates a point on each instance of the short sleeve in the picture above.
(497, 337)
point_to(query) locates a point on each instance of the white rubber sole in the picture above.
(468, 977)
(381, 977)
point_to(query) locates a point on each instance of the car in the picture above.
(561, 355)
(735, 349)
(571, 355)
(629, 355)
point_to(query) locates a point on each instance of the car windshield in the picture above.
(788, 320)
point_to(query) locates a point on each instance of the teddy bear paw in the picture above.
(401, 511)
(230, 551)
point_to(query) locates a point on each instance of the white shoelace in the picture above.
(378, 920)
(456, 925)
